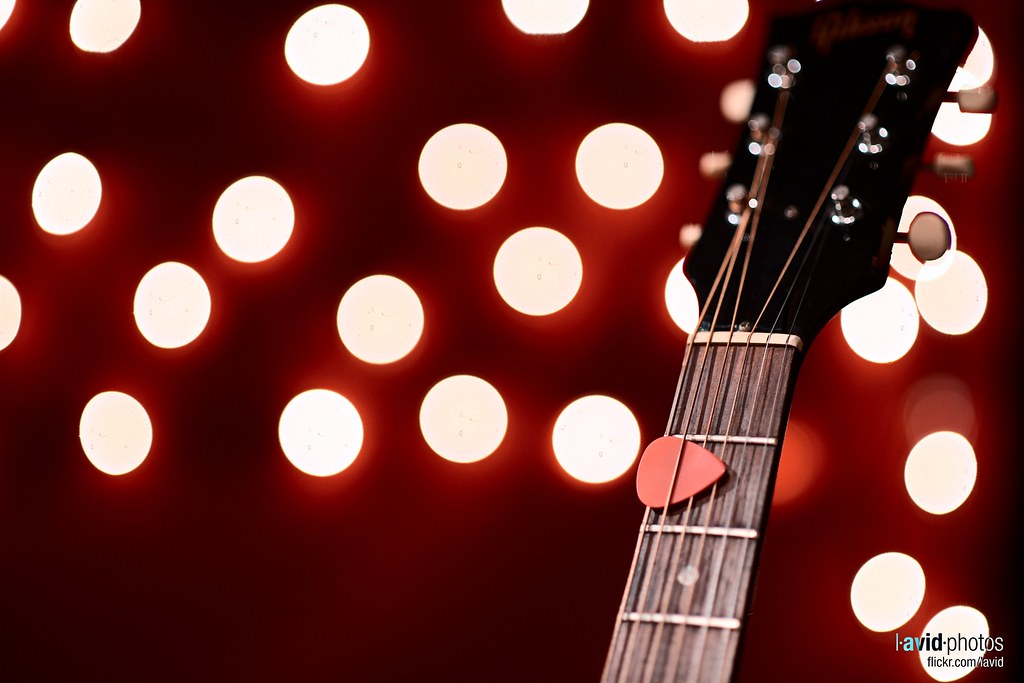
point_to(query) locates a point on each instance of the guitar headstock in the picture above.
(806, 218)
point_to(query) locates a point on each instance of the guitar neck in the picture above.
(690, 586)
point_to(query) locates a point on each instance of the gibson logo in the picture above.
(836, 27)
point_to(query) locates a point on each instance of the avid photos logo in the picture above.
(958, 651)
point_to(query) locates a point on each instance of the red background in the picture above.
(216, 559)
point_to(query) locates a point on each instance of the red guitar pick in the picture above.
(699, 469)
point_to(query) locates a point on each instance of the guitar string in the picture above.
(817, 244)
(642, 594)
(766, 164)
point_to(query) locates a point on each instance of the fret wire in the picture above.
(735, 532)
(682, 620)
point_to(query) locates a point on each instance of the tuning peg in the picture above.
(689, 234)
(976, 100)
(952, 166)
(929, 236)
(714, 165)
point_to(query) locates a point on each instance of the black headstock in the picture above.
(845, 103)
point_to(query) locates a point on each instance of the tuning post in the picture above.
(900, 66)
(846, 208)
(872, 136)
(784, 68)
(975, 100)
(952, 166)
(928, 237)
(737, 199)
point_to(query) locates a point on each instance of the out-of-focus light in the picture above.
(887, 591)
(380, 319)
(681, 299)
(705, 21)
(463, 166)
(545, 17)
(320, 432)
(10, 312)
(940, 472)
(66, 194)
(619, 166)
(903, 260)
(115, 432)
(956, 127)
(954, 302)
(882, 326)
(103, 25)
(981, 63)
(964, 626)
(596, 439)
(327, 44)
(253, 219)
(463, 419)
(172, 305)
(799, 465)
(538, 271)
(6, 7)
(736, 100)
(936, 403)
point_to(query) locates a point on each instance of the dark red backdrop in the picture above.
(216, 559)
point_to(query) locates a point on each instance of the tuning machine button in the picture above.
(975, 101)
(737, 200)
(928, 237)
(760, 130)
(689, 234)
(952, 166)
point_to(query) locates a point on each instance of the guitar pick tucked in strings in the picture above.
(731, 256)
(815, 247)
(761, 175)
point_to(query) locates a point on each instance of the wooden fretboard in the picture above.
(689, 591)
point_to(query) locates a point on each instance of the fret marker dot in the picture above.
(596, 439)
(688, 575)
(320, 432)
(463, 419)
(115, 432)
(887, 591)
(619, 166)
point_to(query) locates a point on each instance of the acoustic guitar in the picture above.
(804, 224)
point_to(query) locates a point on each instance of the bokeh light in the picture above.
(320, 432)
(538, 271)
(66, 194)
(705, 21)
(887, 591)
(545, 17)
(800, 464)
(981, 62)
(10, 312)
(961, 128)
(327, 45)
(903, 260)
(619, 166)
(681, 299)
(965, 626)
(6, 7)
(596, 439)
(115, 432)
(172, 305)
(736, 100)
(253, 219)
(103, 25)
(938, 402)
(940, 472)
(882, 326)
(954, 302)
(380, 319)
(463, 166)
(463, 419)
